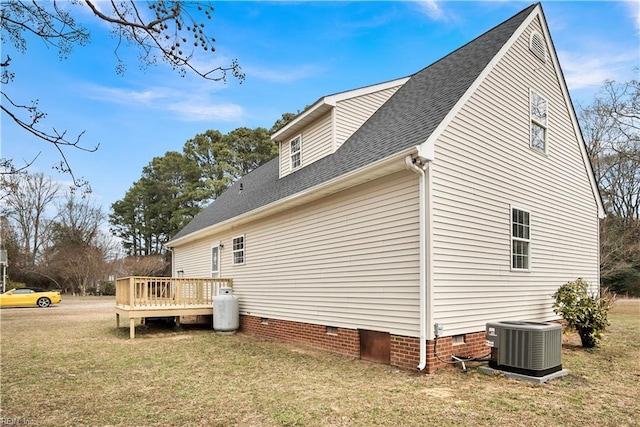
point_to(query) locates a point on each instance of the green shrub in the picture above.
(583, 311)
(108, 288)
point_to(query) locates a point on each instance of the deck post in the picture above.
(178, 291)
(131, 292)
(117, 320)
(132, 327)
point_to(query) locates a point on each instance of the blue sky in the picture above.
(292, 54)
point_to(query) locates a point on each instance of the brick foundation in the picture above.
(346, 341)
(405, 351)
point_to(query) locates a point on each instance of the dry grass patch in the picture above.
(68, 365)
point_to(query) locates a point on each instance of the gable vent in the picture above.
(537, 46)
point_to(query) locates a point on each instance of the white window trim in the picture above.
(291, 153)
(533, 120)
(213, 246)
(512, 238)
(244, 250)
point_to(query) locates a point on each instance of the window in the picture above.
(539, 115)
(215, 260)
(238, 250)
(296, 152)
(520, 239)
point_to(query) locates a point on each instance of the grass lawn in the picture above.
(68, 365)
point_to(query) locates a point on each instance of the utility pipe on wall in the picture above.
(419, 166)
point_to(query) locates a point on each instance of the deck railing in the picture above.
(168, 291)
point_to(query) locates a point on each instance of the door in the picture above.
(215, 261)
(19, 297)
(375, 346)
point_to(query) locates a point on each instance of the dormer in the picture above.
(322, 128)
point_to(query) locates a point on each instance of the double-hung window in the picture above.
(539, 115)
(296, 152)
(238, 250)
(520, 239)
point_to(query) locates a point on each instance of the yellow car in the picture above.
(24, 297)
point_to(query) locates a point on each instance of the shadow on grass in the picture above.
(159, 328)
(572, 347)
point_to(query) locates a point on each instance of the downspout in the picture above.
(422, 169)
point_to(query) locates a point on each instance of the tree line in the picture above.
(611, 129)
(53, 238)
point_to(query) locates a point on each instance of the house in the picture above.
(430, 204)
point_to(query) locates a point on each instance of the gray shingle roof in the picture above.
(407, 119)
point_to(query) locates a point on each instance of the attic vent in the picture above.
(537, 46)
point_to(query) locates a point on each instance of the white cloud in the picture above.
(125, 96)
(191, 105)
(287, 75)
(634, 9)
(585, 71)
(433, 10)
(202, 111)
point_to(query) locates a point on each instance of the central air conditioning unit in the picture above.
(527, 348)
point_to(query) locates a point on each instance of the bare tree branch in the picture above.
(164, 31)
(151, 26)
(611, 129)
(58, 139)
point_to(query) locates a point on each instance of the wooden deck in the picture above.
(142, 297)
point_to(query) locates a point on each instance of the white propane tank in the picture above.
(226, 314)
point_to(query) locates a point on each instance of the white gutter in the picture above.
(424, 173)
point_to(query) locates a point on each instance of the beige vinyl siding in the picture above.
(329, 132)
(317, 142)
(194, 259)
(484, 165)
(285, 157)
(347, 260)
(353, 112)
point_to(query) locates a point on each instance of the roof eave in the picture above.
(321, 107)
(325, 104)
(358, 176)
